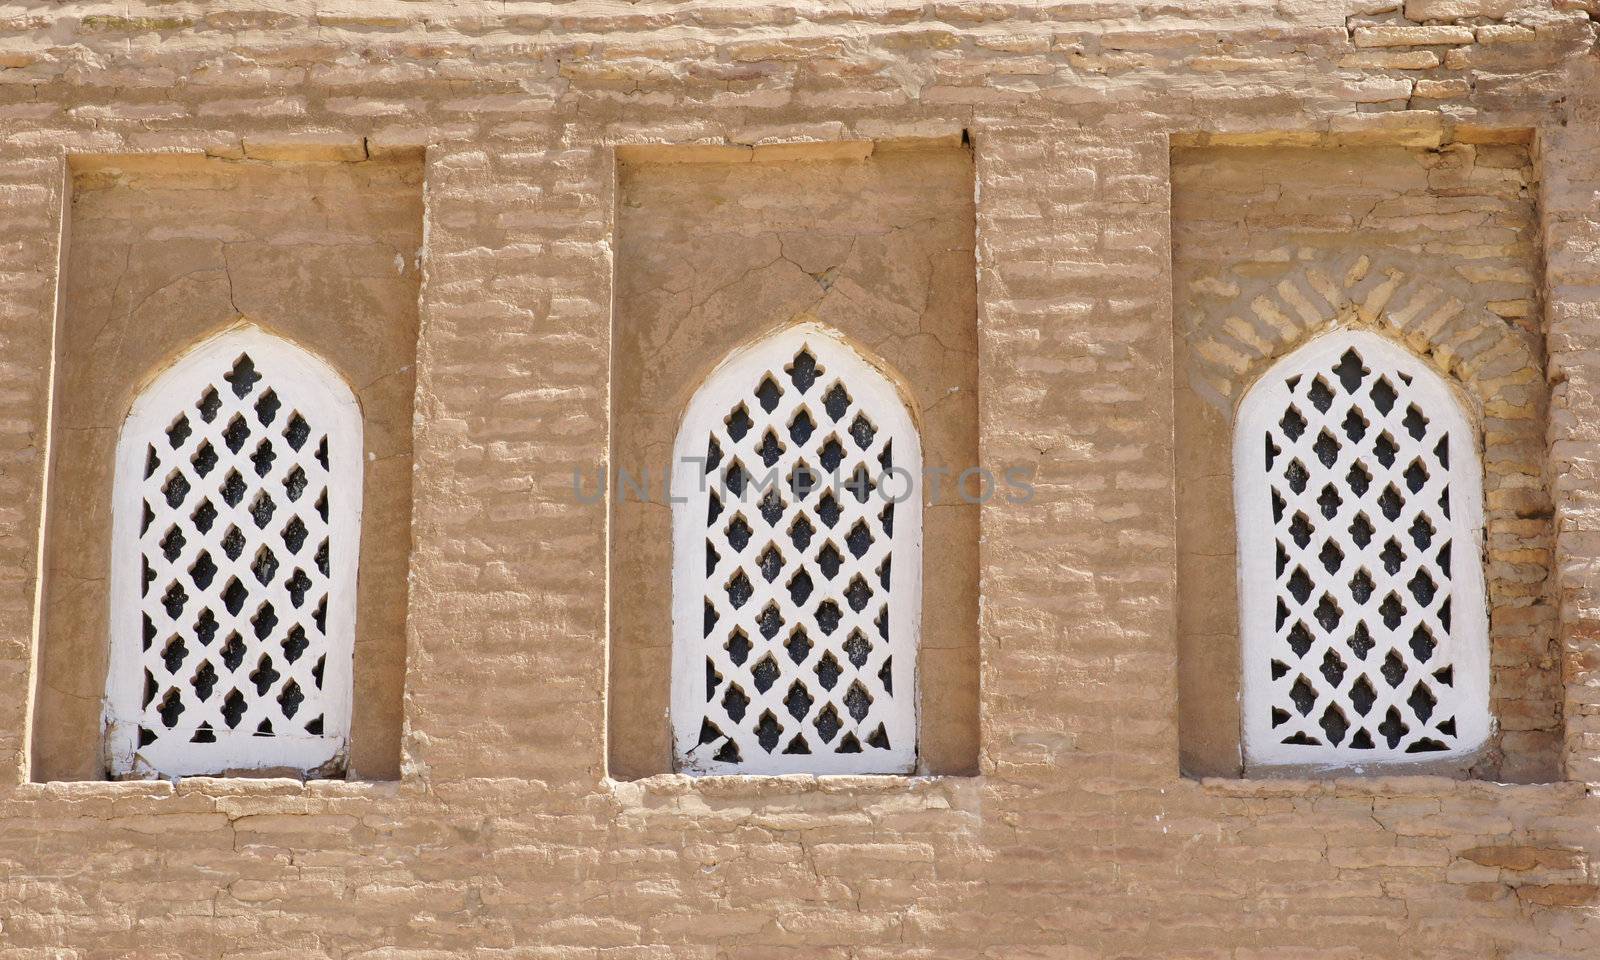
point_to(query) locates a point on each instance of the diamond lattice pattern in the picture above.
(799, 547)
(1362, 663)
(235, 552)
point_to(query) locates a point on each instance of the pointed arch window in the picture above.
(1358, 495)
(236, 525)
(796, 565)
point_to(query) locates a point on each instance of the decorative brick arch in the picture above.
(1475, 347)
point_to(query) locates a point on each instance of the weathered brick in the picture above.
(1432, 36)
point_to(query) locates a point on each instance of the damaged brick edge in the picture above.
(298, 147)
(783, 151)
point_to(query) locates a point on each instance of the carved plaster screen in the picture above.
(796, 565)
(1359, 506)
(236, 521)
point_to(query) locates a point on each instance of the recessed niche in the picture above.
(714, 251)
(164, 252)
(1434, 251)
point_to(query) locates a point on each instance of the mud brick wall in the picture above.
(499, 833)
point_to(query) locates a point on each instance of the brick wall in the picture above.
(1079, 838)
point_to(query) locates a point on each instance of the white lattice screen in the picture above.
(236, 525)
(797, 565)
(1359, 505)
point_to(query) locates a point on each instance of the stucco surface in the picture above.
(1079, 837)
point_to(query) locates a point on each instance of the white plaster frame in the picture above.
(726, 386)
(311, 384)
(1258, 581)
